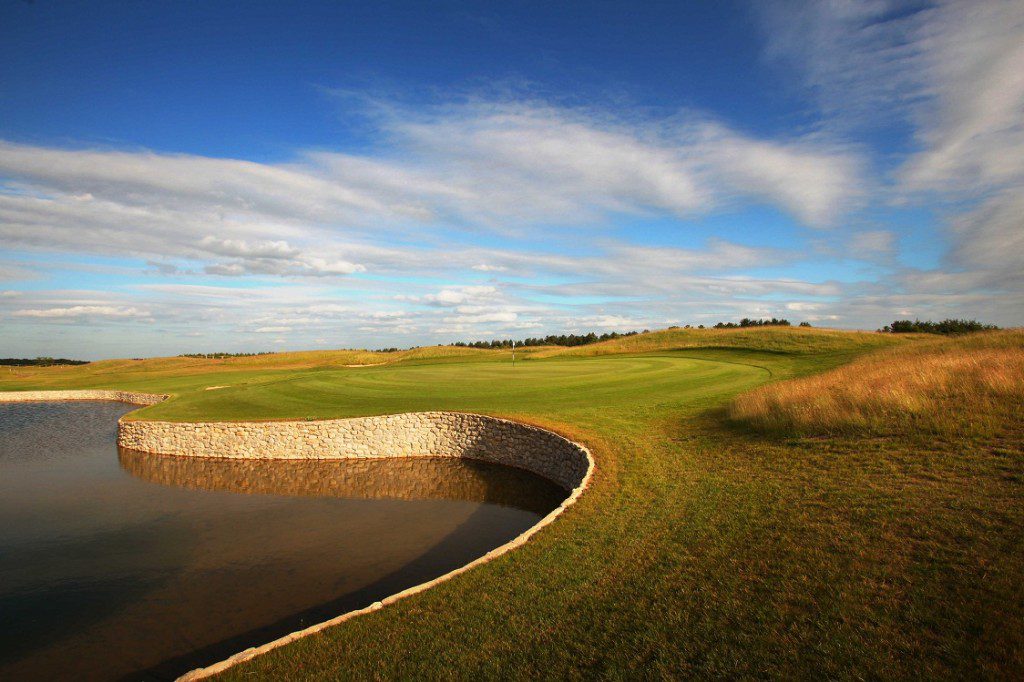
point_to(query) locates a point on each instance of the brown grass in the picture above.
(955, 387)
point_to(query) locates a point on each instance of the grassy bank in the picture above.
(966, 386)
(701, 549)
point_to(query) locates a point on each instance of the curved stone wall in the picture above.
(86, 394)
(414, 434)
(444, 434)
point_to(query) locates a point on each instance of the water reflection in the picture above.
(124, 565)
(407, 478)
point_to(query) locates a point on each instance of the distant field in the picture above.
(702, 549)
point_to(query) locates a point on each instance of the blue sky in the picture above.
(184, 177)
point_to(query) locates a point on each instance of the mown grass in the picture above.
(700, 550)
(968, 386)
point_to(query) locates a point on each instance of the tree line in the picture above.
(221, 356)
(40, 362)
(592, 337)
(748, 322)
(944, 327)
(549, 340)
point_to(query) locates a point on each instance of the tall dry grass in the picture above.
(963, 386)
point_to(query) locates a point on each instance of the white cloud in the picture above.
(972, 132)
(852, 56)
(498, 165)
(454, 296)
(608, 322)
(323, 266)
(815, 181)
(991, 236)
(147, 179)
(243, 249)
(482, 318)
(971, 71)
(77, 311)
(804, 306)
(953, 71)
(535, 162)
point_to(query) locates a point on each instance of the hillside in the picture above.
(961, 386)
(767, 339)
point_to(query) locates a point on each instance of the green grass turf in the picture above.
(698, 550)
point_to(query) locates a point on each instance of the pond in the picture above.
(127, 565)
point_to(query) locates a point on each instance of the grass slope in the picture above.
(768, 339)
(700, 549)
(951, 387)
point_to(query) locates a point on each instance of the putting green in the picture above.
(534, 386)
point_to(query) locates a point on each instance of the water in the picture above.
(126, 565)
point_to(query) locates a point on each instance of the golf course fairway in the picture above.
(700, 548)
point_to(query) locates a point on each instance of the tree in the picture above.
(949, 326)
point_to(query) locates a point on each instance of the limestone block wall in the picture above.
(446, 434)
(86, 394)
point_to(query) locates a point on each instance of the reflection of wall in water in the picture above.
(405, 478)
(412, 434)
(81, 394)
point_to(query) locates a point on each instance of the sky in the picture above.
(182, 177)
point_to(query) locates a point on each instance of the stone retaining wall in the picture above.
(445, 434)
(87, 394)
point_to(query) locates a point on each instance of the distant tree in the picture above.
(747, 322)
(42, 361)
(805, 324)
(221, 356)
(949, 326)
(550, 340)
